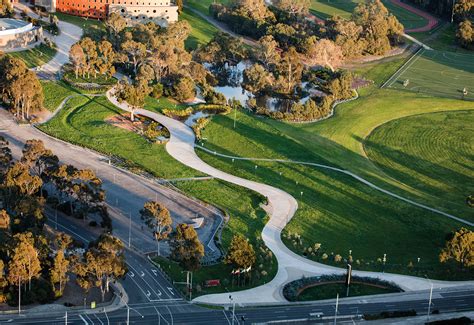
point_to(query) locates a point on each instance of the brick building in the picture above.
(160, 12)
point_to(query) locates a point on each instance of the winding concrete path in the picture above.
(69, 35)
(282, 207)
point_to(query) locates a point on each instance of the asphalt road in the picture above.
(154, 300)
(126, 192)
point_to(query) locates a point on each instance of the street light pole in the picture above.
(429, 302)
(128, 315)
(233, 308)
(129, 229)
(335, 312)
(19, 295)
(452, 12)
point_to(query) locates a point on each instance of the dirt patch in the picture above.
(123, 121)
(359, 82)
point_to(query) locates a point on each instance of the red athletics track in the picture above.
(432, 21)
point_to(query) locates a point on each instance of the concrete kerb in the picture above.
(111, 306)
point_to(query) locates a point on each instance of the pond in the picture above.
(231, 78)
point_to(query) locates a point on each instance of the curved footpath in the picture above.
(69, 35)
(282, 208)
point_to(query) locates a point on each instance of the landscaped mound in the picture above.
(294, 291)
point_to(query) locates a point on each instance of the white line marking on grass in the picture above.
(399, 72)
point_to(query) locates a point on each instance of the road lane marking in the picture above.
(171, 290)
(169, 310)
(98, 319)
(85, 322)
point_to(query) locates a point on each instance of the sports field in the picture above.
(437, 73)
(326, 8)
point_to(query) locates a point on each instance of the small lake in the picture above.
(233, 89)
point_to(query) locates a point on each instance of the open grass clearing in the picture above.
(202, 31)
(246, 218)
(36, 56)
(428, 151)
(325, 9)
(82, 122)
(437, 73)
(334, 210)
(55, 92)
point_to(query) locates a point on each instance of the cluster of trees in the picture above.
(88, 56)
(371, 29)
(154, 57)
(20, 89)
(32, 259)
(446, 8)
(6, 9)
(186, 248)
(465, 34)
(459, 247)
(460, 11)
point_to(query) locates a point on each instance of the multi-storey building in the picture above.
(160, 12)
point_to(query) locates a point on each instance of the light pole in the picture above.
(129, 229)
(19, 295)
(431, 296)
(233, 308)
(128, 309)
(335, 312)
(452, 12)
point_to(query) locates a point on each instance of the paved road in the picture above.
(126, 192)
(282, 208)
(167, 308)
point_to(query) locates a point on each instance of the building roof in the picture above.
(9, 23)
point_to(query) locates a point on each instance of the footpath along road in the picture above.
(282, 207)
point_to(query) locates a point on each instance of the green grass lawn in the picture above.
(246, 218)
(82, 122)
(337, 211)
(438, 73)
(443, 38)
(327, 8)
(329, 291)
(429, 151)
(85, 23)
(157, 105)
(55, 92)
(36, 56)
(203, 5)
(202, 31)
(98, 79)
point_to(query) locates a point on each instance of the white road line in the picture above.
(144, 293)
(228, 321)
(95, 315)
(160, 316)
(169, 310)
(85, 322)
(146, 282)
(87, 316)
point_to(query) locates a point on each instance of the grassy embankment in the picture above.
(335, 210)
(36, 56)
(82, 122)
(329, 291)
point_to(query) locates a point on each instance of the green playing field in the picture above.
(437, 73)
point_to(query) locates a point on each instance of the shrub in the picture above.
(157, 91)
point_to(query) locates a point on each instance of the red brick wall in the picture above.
(84, 8)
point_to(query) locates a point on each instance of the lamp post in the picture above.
(129, 229)
(431, 296)
(233, 308)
